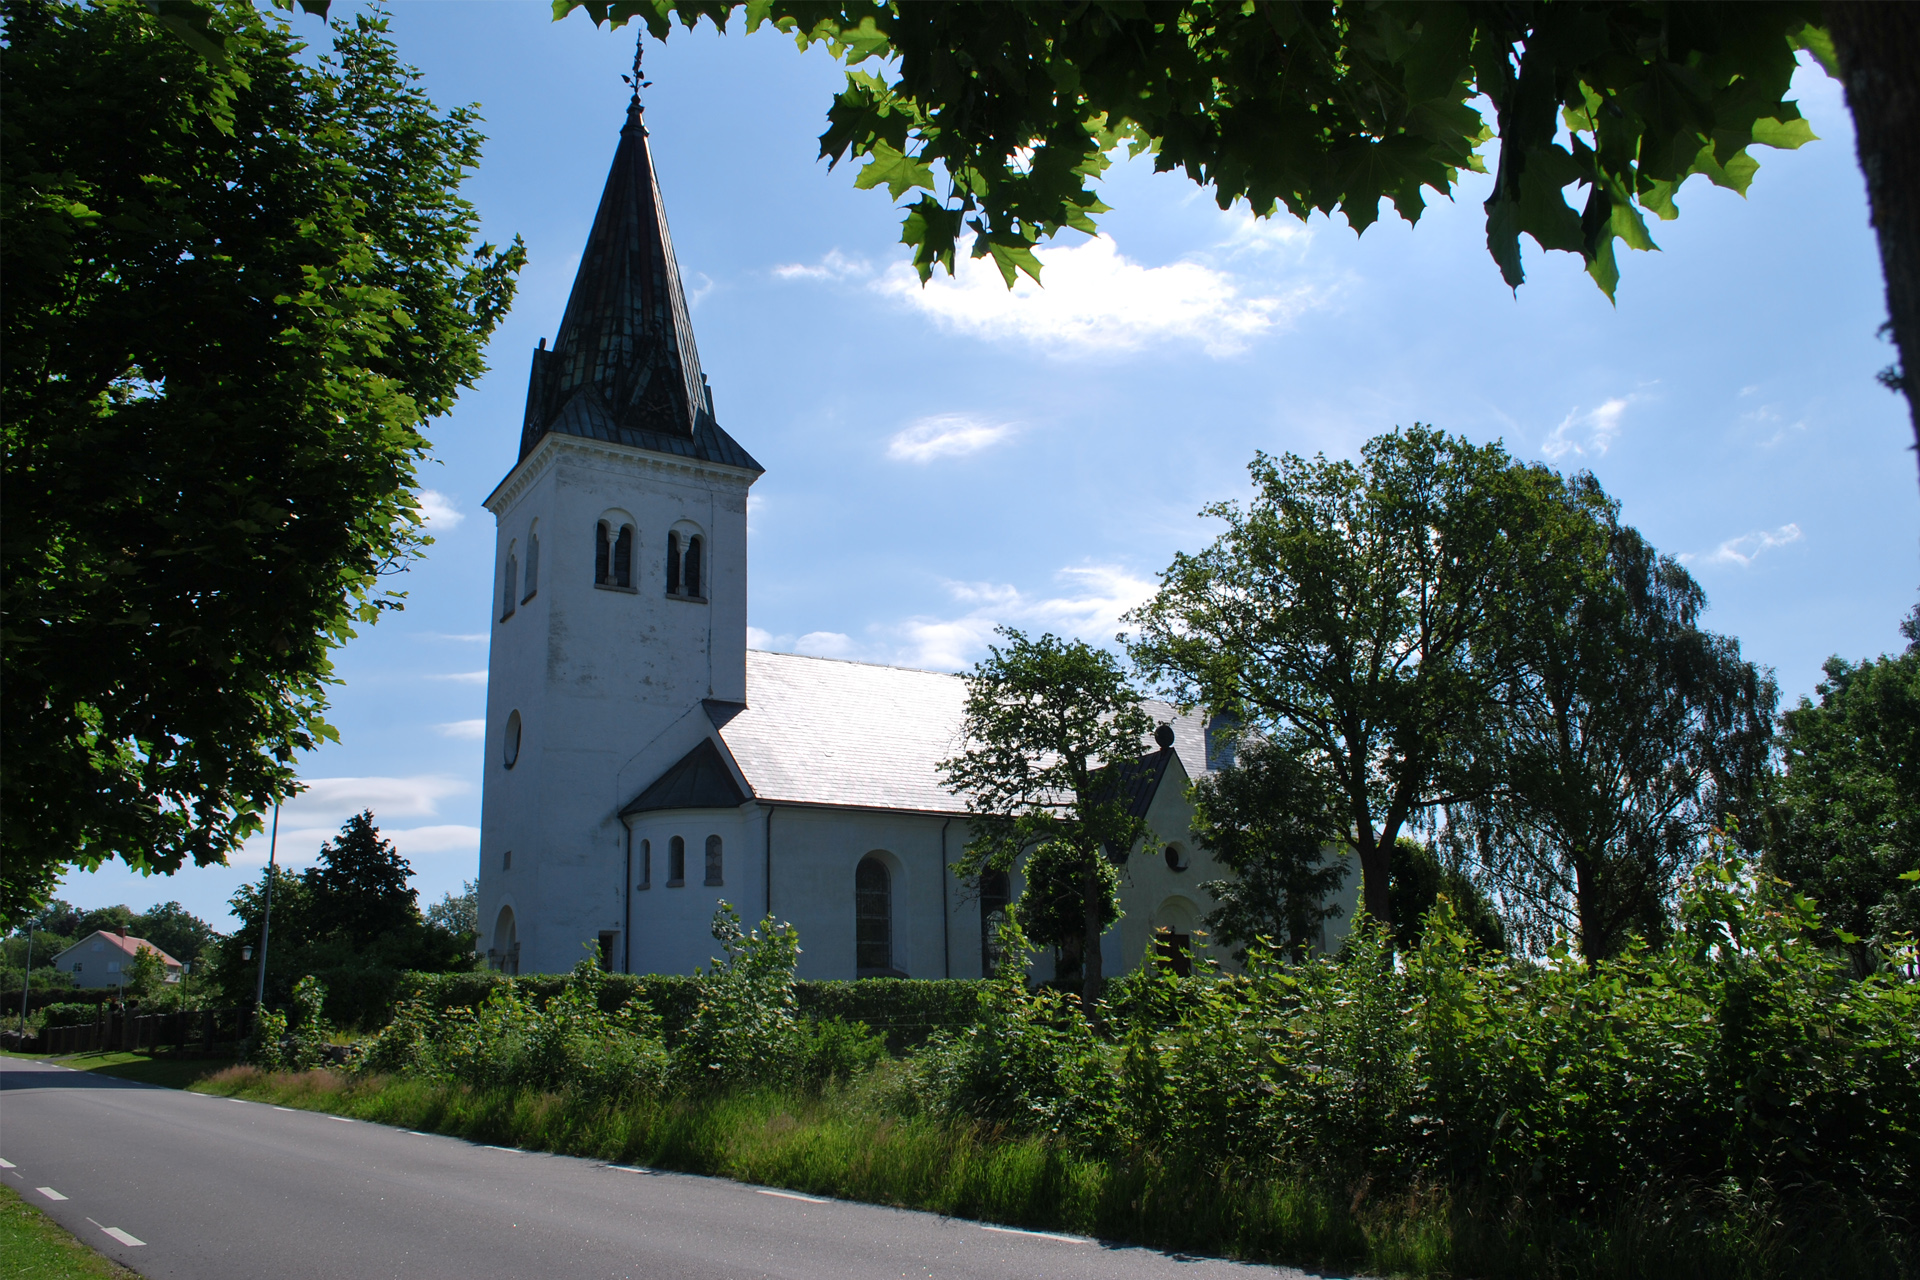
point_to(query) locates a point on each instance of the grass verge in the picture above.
(170, 1072)
(845, 1143)
(35, 1247)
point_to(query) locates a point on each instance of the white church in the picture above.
(642, 764)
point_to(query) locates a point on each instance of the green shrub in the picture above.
(70, 1014)
(566, 1042)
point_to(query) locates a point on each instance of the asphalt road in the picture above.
(185, 1185)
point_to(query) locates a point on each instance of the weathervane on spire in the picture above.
(639, 46)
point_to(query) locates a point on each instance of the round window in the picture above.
(510, 750)
(1176, 858)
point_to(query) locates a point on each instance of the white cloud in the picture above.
(699, 292)
(450, 838)
(1587, 434)
(473, 637)
(438, 511)
(1098, 301)
(825, 644)
(945, 435)
(1089, 607)
(1746, 548)
(835, 266)
(337, 799)
(465, 730)
(460, 677)
(314, 816)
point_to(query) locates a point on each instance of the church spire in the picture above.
(624, 365)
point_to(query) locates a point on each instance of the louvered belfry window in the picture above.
(873, 916)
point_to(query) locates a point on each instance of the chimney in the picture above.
(120, 929)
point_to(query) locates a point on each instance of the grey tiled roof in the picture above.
(826, 732)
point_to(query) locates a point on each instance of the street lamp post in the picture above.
(26, 978)
(266, 915)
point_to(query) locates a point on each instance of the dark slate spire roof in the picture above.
(624, 366)
(699, 780)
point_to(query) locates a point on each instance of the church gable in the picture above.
(698, 780)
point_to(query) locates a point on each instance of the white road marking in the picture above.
(416, 1133)
(1038, 1235)
(490, 1147)
(341, 1119)
(124, 1237)
(50, 1193)
(628, 1168)
(788, 1195)
(295, 1110)
(8, 1164)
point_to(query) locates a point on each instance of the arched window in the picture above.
(673, 564)
(646, 865)
(713, 860)
(995, 894)
(676, 862)
(602, 554)
(533, 567)
(510, 596)
(504, 954)
(692, 575)
(510, 743)
(623, 558)
(872, 917)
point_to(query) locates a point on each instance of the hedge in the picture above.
(905, 1010)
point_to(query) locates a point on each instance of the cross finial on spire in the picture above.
(639, 47)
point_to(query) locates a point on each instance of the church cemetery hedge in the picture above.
(904, 1010)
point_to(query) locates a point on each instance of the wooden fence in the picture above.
(192, 1033)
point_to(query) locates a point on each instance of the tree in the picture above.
(1273, 820)
(146, 975)
(1626, 734)
(1351, 608)
(237, 287)
(1418, 880)
(998, 118)
(175, 930)
(1843, 826)
(359, 889)
(1053, 729)
(458, 912)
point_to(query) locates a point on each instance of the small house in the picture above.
(101, 959)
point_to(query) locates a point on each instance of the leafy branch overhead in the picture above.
(996, 120)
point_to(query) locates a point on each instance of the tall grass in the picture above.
(848, 1141)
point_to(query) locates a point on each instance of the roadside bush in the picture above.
(567, 1042)
(69, 1014)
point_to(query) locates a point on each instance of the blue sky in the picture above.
(941, 460)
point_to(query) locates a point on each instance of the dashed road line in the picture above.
(8, 1164)
(50, 1193)
(790, 1195)
(1038, 1235)
(487, 1146)
(341, 1119)
(291, 1110)
(124, 1237)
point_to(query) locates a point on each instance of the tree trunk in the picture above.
(1376, 868)
(1879, 49)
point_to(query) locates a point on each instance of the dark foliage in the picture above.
(238, 285)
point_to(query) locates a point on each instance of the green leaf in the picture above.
(1784, 134)
(1818, 42)
(900, 172)
(1011, 257)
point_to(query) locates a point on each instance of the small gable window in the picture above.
(676, 862)
(510, 597)
(533, 567)
(713, 860)
(623, 558)
(873, 917)
(692, 575)
(613, 555)
(686, 564)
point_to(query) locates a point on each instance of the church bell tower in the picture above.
(620, 580)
